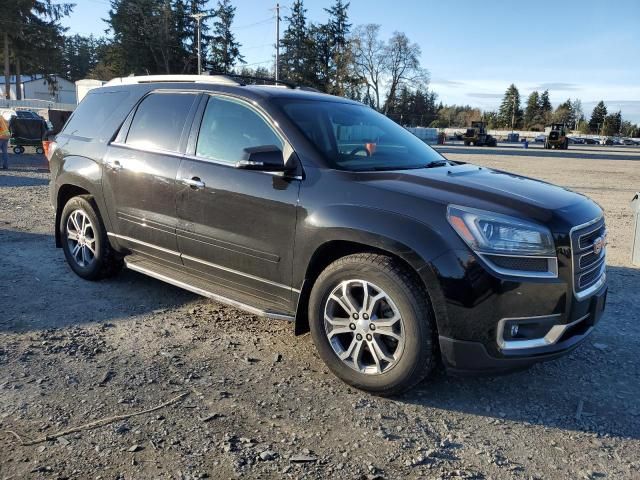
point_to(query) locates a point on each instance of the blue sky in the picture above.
(583, 49)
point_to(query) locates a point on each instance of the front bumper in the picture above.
(467, 357)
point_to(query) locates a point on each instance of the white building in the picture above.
(57, 89)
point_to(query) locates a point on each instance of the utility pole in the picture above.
(513, 114)
(198, 18)
(277, 40)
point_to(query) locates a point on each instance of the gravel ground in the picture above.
(259, 402)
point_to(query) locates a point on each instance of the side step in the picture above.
(183, 280)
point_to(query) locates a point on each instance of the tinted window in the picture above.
(159, 121)
(92, 113)
(356, 137)
(228, 127)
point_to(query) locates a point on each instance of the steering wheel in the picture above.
(360, 149)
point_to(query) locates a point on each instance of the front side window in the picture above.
(228, 127)
(159, 121)
(356, 137)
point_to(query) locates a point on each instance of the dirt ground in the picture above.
(260, 403)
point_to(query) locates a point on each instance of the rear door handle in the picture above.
(194, 183)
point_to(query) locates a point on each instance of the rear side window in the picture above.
(159, 121)
(92, 113)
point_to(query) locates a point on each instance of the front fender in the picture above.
(413, 241)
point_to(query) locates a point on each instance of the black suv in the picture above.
(298, 205)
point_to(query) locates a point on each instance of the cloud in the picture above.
(557, 86)
(485, 95)
(450, 83)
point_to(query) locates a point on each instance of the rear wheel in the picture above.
(371, 323)
(18, 150)
(84, 240)
(39, 150)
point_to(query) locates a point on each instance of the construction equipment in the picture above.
(477, 135)
(557, 137)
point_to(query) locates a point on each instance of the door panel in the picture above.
(140, 171)
(140, 190)
(236, 227)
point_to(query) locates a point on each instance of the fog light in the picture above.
(514, 330)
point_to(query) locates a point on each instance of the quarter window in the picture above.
(228, 127)
(159, 121)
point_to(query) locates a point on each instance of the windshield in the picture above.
(356, 137)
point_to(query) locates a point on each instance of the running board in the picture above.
(146, 270)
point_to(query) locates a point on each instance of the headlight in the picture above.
(493, 233)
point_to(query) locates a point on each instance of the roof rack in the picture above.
(270, 82)
(211, 79)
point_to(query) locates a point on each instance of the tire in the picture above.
(94, 259)
(39, 150)
(412, 351)
(18, 150)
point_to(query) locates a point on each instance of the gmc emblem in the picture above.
(598, 245)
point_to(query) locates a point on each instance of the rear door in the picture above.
(236, 227)
(140, 174)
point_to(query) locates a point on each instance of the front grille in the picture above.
(588, 265)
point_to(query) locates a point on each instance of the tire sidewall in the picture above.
(417, 331)
(79, 203)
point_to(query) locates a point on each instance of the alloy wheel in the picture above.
(364, 327)
(81, 238)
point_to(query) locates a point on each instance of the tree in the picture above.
(612, 124)
(403, 66)
(510, 114)
(564, 113)
(370, 61)
(150, 36)
(340, 56)
(545, 107)
(32, 37)
(533, 117)
(297, 62)
(225, 49)
(80, 55)
(597, 117)
(578, 114)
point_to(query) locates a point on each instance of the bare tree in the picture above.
(369, 60)
(402, 59)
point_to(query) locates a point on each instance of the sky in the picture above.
(475, 50)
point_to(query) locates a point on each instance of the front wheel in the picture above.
(84, 240)
(371, 323)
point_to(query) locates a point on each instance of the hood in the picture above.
(484, 188)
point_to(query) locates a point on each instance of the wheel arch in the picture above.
(331, 250)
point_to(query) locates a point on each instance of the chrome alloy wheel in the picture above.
(81, 238)
(364, 327)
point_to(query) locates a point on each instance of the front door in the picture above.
(236, 227)
(140, 171)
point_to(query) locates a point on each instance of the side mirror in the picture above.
(266, 158)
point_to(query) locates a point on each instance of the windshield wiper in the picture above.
(436, 163)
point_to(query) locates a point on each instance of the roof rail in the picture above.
(211, 79)
(270, 82)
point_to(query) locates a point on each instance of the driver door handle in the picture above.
(194, 183)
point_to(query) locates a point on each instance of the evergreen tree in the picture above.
(31, 37)
(510, 113)
(297, 61)
(338, 28)
(597, 117)
(80, 55)
(225, 49)
(532, 114)
(613, 124)
(564, 114)
(545, 107)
